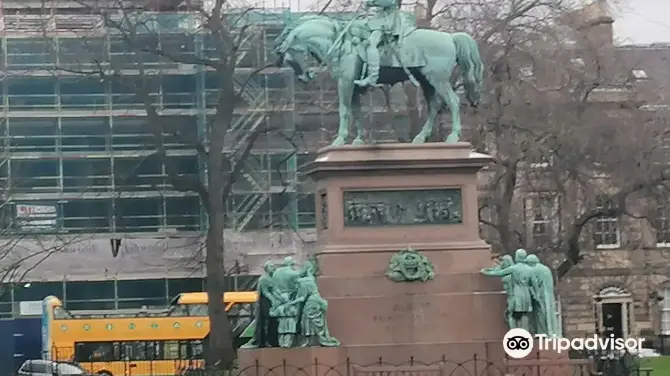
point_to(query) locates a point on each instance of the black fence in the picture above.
(578, 364)
(660, 343)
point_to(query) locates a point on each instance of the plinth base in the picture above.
(307, 361)
(430, 359)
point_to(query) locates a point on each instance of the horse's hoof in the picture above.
(339, 141)
(419, 139)
(452, 139)
(358, 141)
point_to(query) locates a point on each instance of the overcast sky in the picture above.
(636, 21)
(642, 21)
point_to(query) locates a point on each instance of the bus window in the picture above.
(138, 351)
(198, 310)
(153, 351)
(241, 310)
(135, 350)
(179, 310)
(171, 350)
(197, 350)
(97, 352)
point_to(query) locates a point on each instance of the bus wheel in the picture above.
(104, 373)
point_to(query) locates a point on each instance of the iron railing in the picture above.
(579, 364)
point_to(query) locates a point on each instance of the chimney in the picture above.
(595, 23)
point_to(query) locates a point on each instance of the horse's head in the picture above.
(309, 37)
(296, 56)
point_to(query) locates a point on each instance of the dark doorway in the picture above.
(612, 320)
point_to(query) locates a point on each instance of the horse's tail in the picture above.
(472, 67)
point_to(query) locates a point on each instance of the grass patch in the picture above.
(660, 365)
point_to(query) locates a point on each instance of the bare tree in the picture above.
(561, 118)
(562, 121)
(150, 39)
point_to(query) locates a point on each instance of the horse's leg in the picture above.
(446, 92)
(454, 103)
(357, 113)
(433, 108)
(345, 91)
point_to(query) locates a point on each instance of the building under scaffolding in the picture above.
(78, 154)
(78, 159)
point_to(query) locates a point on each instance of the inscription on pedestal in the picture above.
(402, 208)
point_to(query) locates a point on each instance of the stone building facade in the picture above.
(622, 284)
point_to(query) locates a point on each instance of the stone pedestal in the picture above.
(373, 201)
(458, 313)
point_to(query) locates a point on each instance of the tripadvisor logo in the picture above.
(519, 343)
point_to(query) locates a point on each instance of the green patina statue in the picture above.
(385, 23)
(384, 48)
(520, 303)
(529, 285)
(265, 327)
(287, 307)
(508, 286)
(313, 322)
(290, 311)
(544, 301)
(409, 265)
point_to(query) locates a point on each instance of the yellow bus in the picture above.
(139, 343)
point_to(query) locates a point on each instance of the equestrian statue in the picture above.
(383, 48)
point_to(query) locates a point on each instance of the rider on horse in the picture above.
(388, 21)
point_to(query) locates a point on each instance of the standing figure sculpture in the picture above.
(522, 302)
(544, 300)
(508, 286)
(286, 309)
(425, 57)
(265, 331)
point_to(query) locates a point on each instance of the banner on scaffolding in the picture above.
(32, 218)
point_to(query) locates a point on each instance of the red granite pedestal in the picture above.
(455, 320)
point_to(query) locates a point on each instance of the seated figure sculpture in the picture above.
(313, 322)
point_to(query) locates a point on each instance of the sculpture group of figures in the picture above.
(383, 47)
(290, 311)
(529, 285)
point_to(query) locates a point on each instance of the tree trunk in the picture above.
(506, 192)
(221, 352)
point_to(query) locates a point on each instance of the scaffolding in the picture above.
(78, 149)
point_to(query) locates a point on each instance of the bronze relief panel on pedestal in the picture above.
(402, 207)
